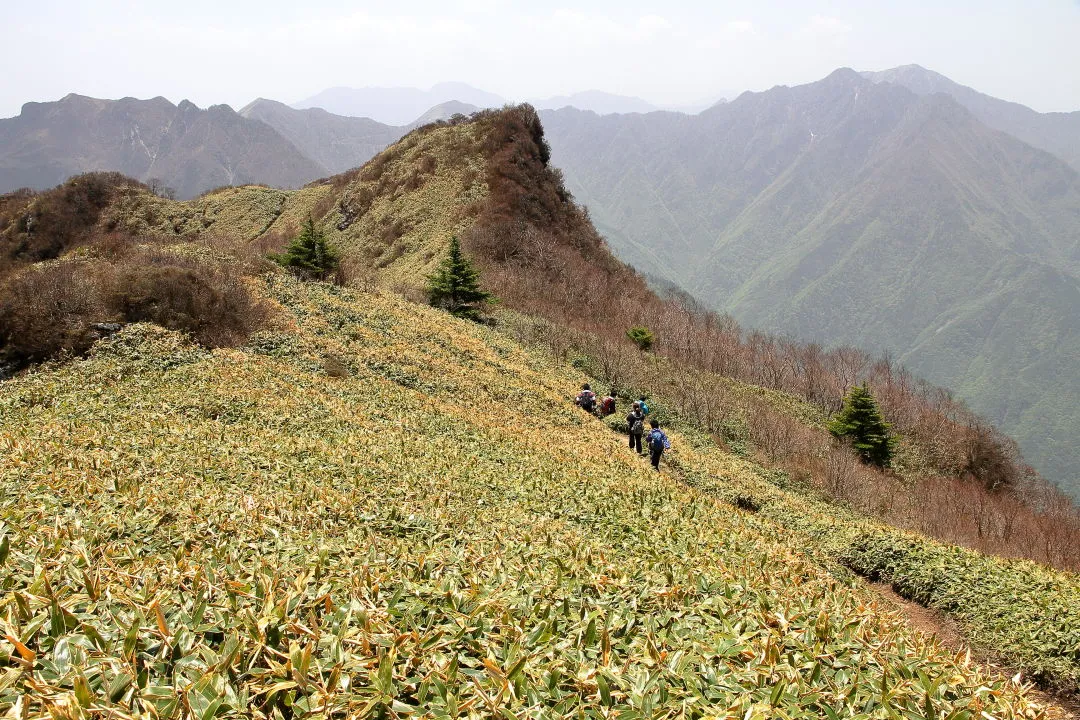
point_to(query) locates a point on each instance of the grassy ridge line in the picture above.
(1025, 613)
(236, 533)
(394, 215)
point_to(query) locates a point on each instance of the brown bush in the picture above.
(48, 311)
(44, 225)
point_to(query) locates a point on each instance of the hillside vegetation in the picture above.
(359, 504)
(236, 532)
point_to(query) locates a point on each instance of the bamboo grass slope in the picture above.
(434, 532)
(1023, 613)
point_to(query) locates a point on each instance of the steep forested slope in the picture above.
(852, 212)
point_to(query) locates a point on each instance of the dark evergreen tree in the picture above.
(862, 422)
(455, 285)
(309, 255)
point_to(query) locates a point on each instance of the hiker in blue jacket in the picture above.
(658, 442)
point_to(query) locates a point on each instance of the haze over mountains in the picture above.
(401, 106)
(192, 150)
(896, 210)
(1057, 133)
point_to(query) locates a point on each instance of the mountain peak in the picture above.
(915, 78)
(844, 76)
(444, 111)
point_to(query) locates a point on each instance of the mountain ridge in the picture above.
(195, 148)
(783, 165)
(1058, 132)
(749, 187)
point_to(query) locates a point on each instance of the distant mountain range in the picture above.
(1057, 133)
(399, 105)
(190, 149)
(897, 211)
(596, 101)
(334, 142)
(853, 210)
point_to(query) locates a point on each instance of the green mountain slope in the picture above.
(850, 212)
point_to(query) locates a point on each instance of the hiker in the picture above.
(586, 399)
(644, 406)
(635, 421)
(658, 443)
(607, 405)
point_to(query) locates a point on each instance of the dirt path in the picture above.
(936, 624)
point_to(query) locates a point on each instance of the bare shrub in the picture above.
(48, 311)
(55, 309)
(42, 226)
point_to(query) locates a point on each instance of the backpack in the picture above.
(587, 400)
(658, 441)
(637, 427)
(608, 406)
(644, 407)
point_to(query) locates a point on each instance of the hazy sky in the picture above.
(226, 51)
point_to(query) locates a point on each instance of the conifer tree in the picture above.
(642, 337)
(455, 285)
(309, 255)
(861, 421)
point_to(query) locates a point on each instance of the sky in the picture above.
(670, 53)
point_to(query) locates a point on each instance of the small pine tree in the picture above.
(642, 337)
(455, 285)
(862, 421)
(309, 255)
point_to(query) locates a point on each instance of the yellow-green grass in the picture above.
(396, 216)
(438, 533)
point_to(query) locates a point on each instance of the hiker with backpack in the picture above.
(635, 422)
(586, 399)
(607, 405)
(658, 442)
